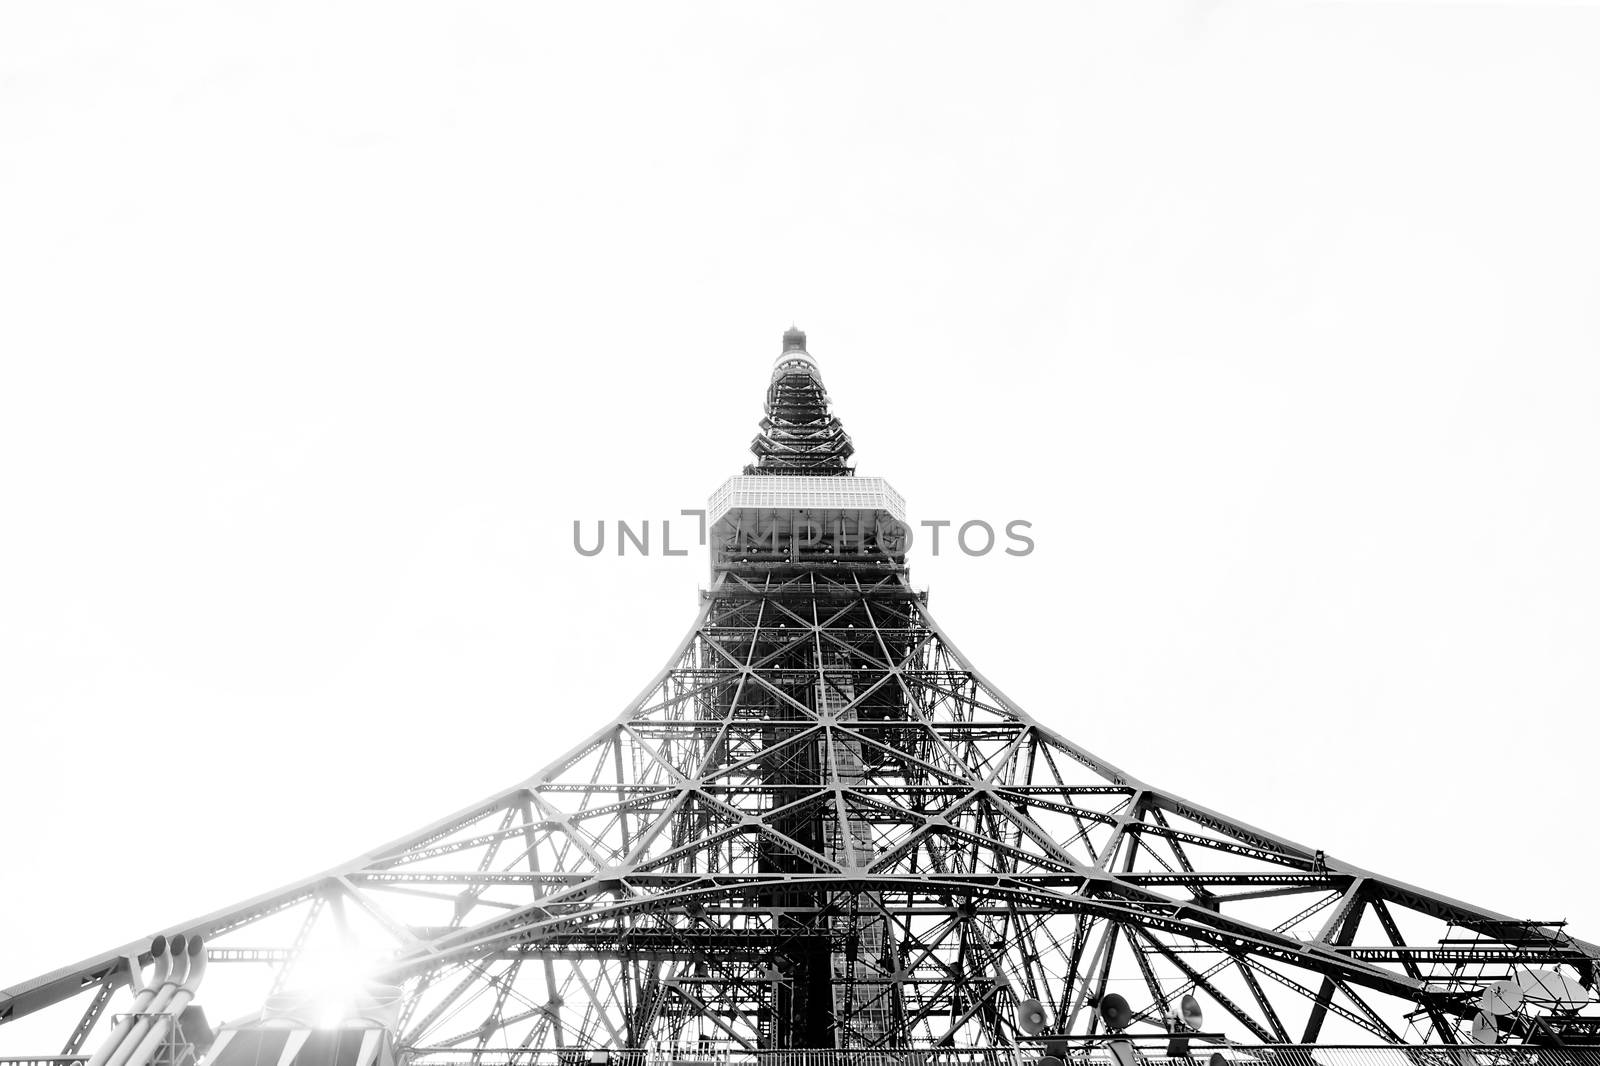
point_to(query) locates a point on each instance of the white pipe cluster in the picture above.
(176, 969)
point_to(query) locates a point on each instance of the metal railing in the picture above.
(1086, 1055)
(1242, 1054)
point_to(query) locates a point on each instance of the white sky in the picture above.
(320, 323)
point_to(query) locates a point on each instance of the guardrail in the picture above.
(1235, 1054)
(1087, 1055)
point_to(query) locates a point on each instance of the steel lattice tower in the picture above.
(820, 826)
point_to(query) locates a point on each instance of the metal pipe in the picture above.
(163, 996)
(143, 992)
(181, 998)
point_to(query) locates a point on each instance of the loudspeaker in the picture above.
(1032, 1017)
(1189, 1010)
(1115, 1012)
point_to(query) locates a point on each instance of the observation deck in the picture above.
(823, 495)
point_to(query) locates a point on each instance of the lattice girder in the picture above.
(820, 825)
(811, 773)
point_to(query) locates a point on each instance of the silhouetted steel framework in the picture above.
(821, 827)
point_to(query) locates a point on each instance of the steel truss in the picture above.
(820, 826)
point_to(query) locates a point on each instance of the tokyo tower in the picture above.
(820, 833)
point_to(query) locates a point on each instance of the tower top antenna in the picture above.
(794, 359)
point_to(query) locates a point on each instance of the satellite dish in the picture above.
(375, 1005)
(1484, 1030)
(1546, 988)
(1189, 1010)
(1216, 1059)
(294, 1009)
(1031, 1017)
(1500, 999)
(1122, 1052)
(1116, 1013)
